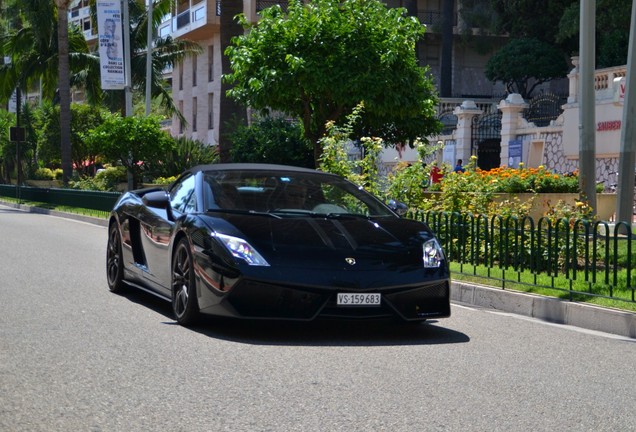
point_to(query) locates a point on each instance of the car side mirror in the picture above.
(156, 199)
(398, 207)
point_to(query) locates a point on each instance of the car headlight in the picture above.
(433, 254)
(241, 249)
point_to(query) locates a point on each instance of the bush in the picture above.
(44, 174)
(164, 180)
(106, 180)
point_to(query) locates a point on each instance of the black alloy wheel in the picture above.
(114, 260)
(184, 297)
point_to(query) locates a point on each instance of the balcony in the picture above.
(264, 4)
(194, 21)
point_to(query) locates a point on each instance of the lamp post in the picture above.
(149, 58)
(625, 198)
(587, 105)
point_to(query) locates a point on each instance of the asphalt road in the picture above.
(74, 357)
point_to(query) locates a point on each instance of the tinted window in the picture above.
(182, 196)
(297, 191)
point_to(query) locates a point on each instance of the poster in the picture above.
(514, 153)
(111, 57)
(448, 154)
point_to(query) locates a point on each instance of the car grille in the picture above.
(263, 300)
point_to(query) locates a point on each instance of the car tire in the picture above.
(114, 260)
(184, 297)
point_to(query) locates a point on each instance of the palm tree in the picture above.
(33, 50)
(64, 78)
(38, 57)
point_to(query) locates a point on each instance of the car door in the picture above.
(157, 231)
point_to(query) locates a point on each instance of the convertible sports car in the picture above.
(275, 242)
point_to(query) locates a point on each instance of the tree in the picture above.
(130, 141)
(524, 64)
(64, 88)
(272, 140)
(7, 148)
(320, 60)
(538, 19)
(84, 118)
(39, 54)
(34, 54)
(612, 30)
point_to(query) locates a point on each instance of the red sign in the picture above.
(608, 125)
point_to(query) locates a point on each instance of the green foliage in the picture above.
(44, 174)
(7, 120)
(337, 54)
(271, 140)
(129, 141)
(408, 183)
(33, 50)
(106, 180)
(523, 60)
(335, 157)
(84, 118)
(612, 30)
(164, 180)
(179, 155)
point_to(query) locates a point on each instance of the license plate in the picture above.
(357, 299)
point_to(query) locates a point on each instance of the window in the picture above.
(181, 121)
(211, 63)
(194, 114)
(182, 196)
(211, 111)
(180, 76)
(194, 71)
(164, 31)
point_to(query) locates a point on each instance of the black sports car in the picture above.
(275, 242)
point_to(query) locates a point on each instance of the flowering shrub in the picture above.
(516, 180)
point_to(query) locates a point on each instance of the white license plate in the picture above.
(357, 299)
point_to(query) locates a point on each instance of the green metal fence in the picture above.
(577, 258)
(92, 200)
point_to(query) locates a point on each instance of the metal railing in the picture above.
(91, 200)
(580, 259)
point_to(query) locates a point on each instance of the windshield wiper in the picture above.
(243, 212)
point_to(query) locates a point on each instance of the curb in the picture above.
(77, 217)
(548, 309)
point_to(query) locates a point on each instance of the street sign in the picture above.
(17, 134)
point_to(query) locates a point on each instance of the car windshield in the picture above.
(289, 193)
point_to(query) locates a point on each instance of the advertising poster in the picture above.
(448, 154)
(111, 53)
(514, 153)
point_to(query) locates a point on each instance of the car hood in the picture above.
(330, 243)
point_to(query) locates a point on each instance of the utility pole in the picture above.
(627, 159)
(149, 58)
(587, 105)
(128, 76)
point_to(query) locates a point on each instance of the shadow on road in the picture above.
(316, 333)
(329, 332)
